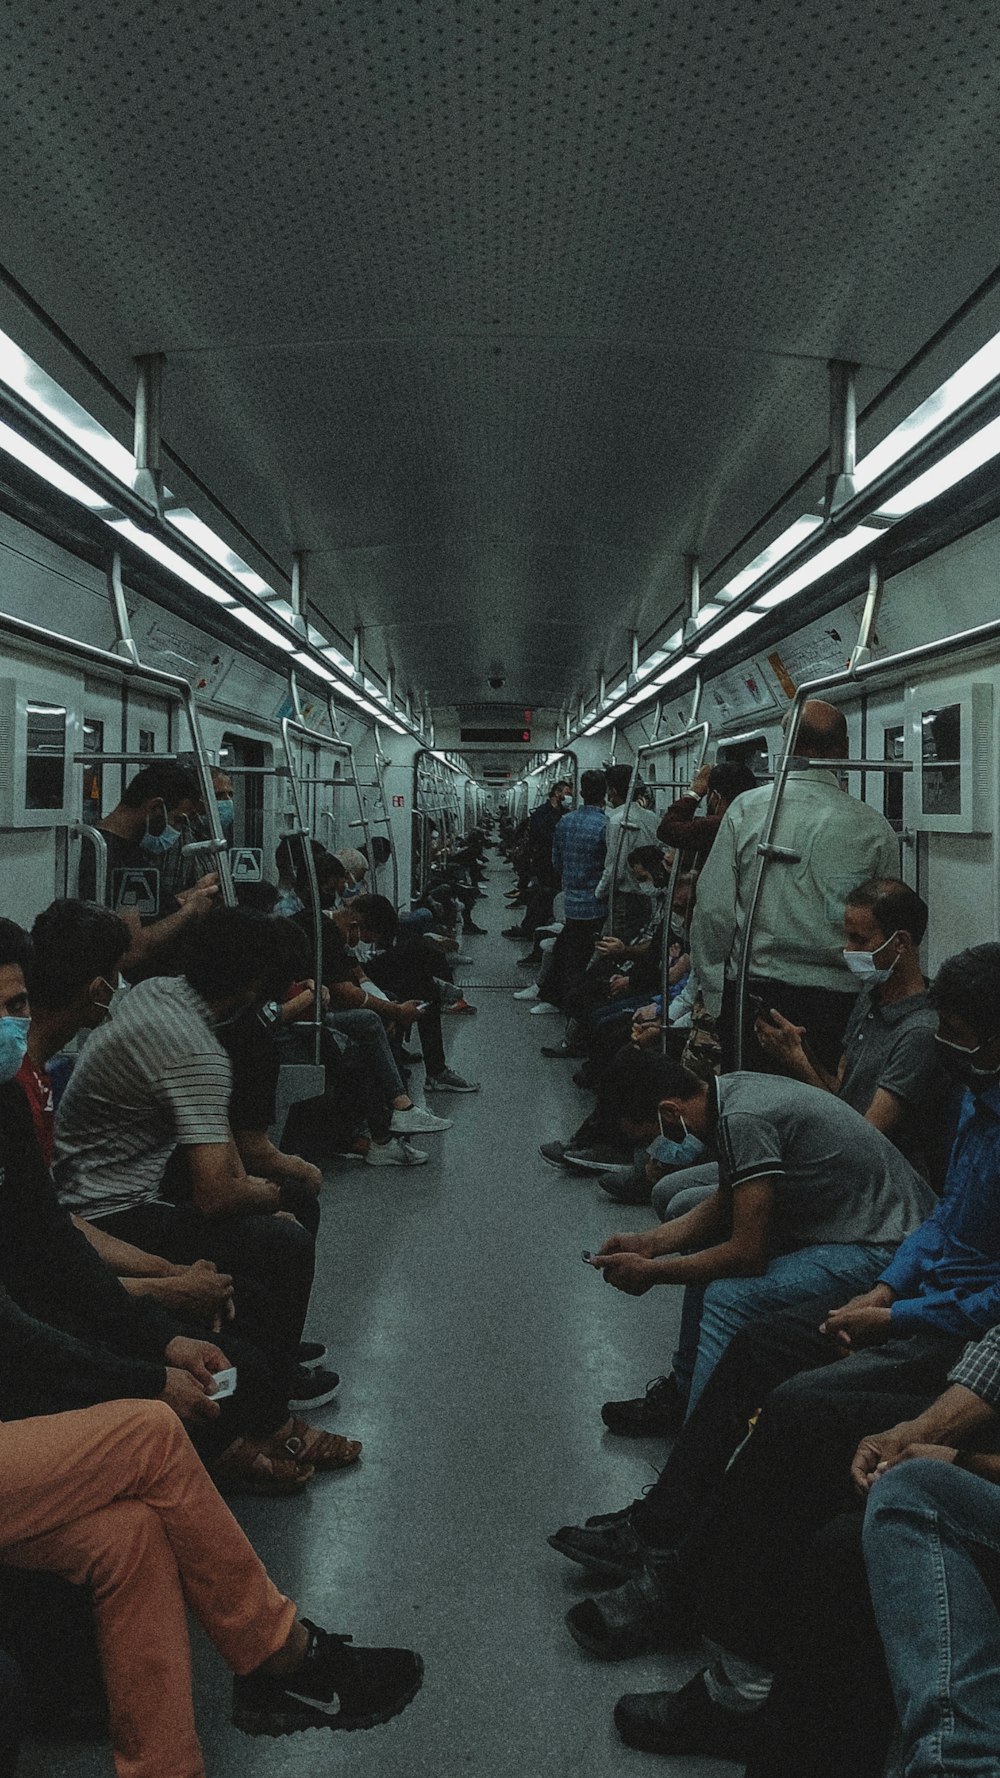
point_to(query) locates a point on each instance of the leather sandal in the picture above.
(245, 1469)
(311, 1446)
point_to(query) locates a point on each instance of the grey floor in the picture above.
(475, 1350)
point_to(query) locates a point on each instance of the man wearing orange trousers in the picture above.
(115, 1497)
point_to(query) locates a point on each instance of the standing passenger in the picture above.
(579, 848)
(797, 964)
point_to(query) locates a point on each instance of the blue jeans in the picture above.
(714, 1313)
(937, 1617)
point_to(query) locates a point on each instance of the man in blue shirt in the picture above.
(579, 851)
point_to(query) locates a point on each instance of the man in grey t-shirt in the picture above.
(810, 1197)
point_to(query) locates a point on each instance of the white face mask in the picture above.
(566, 802)
(863, 965)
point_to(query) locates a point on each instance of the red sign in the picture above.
(399, 802)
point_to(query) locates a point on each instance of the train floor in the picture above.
(475, 1351)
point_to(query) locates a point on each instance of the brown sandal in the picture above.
(244, 1469)
(322, 1450)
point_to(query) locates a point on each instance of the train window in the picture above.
(751, 751)
(941, 758)
(45, 762)
(247, 761)
(93, 775)
(892, 782)
(147, 741)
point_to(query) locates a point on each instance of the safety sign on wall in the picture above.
(246, 863)
(399, 802)
(136, 890)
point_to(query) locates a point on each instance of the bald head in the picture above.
(822, 731)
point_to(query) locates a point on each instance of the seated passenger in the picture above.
(155, 1078)
(71, 1336)
(809, 1194)
(114, 1498)
(890, 1069)
(942, 1287)
(143, 834)
(402, 966)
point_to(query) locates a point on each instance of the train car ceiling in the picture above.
(492, 313)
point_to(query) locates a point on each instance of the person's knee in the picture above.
(918, 1489)
(126, 1543)
(725, 1302)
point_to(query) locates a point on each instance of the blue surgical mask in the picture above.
(226, 810)
(863, 965)
(687, 1137)
(677, 1154)
(13, 1044)
(157, 843)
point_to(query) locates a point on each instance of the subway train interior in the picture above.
(409, 414)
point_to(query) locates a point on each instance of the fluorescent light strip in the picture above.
(674, 672)
(161, 552)
(840, 550)
(53, 473)
(261, 628)
(728, 632)
(194, 528)
(967, 381)
(953, 468)
(775, 552)
(40, 391)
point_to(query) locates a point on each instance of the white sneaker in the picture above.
(528, 993)
(394, 1154)
(543, 1006)
(408, 1123)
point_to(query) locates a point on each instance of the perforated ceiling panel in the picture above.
(498, 308)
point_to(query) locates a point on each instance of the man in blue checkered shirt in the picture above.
(579, 852)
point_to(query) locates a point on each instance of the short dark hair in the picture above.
(893, 906)
(968, 985)
(593, 787)
(562, 785)
(619, 778)
(637, 1080)
(647, 857)
(730, 778)
(377, 913)
(16, 949)
(74, 941)
(233, 949)
(259, 897)
(381, 849)
(175, 784)
(291, 862)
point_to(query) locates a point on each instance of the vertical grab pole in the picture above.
(767, 851)
(381, 760)
(305, 839)
(95, 838)
(702, 729)
(216, 844)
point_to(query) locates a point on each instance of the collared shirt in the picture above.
(946, 1277)
(579, 848)
(799, 930)
(978, 1368)
(835, 1177)
(891, 1045)
(153, 1078)
(622, 838)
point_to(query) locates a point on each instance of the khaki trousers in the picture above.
(114, 1497)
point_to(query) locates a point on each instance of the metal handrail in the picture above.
(130, 667)
(859, 672)
(82, 830)
(643, 752)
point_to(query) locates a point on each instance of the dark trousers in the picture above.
(407, 973)
(791, 1478)
(276, 1255)
(823, 1012)
(571, 954)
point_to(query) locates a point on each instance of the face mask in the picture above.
(648, 889)
(566, 802)
(13, 1044)
(959, 1063)
(226, 811)
(862, 963)
(157, 843)
(677, 1154)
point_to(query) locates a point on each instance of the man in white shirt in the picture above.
(629, 826)
(797, 963)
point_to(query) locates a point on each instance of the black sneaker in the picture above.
(650, 1610)
(553, 1152)
(597, 1159)
(611, 1551)
(532, 961)
(470, 926)
(657, 1414)
(369, 1686)
(685, 1722)
(310, 1352)
(310, 1388)
(514, 932)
